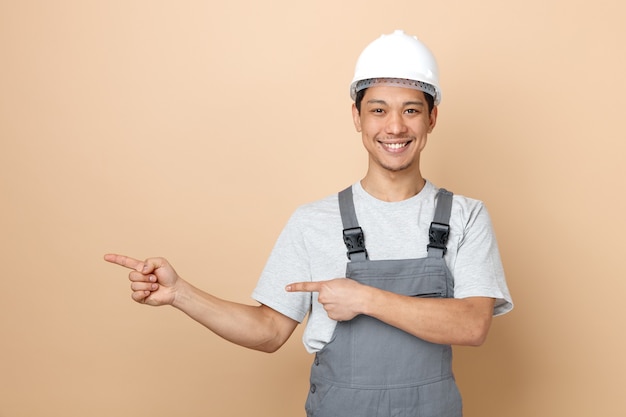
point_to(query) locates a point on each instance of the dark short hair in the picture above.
(430, 100)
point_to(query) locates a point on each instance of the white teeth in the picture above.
(395, 145)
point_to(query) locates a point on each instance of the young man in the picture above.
(391, 271)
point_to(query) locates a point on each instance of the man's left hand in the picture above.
(342, 298)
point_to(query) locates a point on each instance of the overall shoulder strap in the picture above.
(440, 226)
(352, 234)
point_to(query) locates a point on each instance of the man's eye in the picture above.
(412, 111)
(377, 110)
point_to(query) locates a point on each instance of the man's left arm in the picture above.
(451, 321)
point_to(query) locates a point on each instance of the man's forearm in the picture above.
(254, 327)
(437, 320)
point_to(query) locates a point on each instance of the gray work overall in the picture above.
(371, 369)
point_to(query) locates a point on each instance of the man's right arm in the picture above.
(255, 327)
(155, 282)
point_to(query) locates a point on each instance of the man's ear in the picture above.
(356, 118)
(433, 119)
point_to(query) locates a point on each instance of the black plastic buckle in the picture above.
(438, 236)
(355, 241)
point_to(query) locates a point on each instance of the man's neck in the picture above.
(394, 186)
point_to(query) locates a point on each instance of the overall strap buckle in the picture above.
(355, 243)
(440, 227)
(438, 236)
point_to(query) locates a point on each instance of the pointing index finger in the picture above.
(304, 287)
(125, 261)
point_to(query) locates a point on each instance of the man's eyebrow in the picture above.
(414, 103)
(406, 103)
(376, 101)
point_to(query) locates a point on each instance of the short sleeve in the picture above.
(287, 263)
(477, 269)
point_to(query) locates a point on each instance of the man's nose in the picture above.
(395, 124)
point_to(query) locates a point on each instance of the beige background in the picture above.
(193, 129)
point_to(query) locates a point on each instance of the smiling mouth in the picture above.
(395, 146)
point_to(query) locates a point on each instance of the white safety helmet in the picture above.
(397, 59)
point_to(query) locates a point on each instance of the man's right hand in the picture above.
(153, 281)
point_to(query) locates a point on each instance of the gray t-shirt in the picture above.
(311, 248)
